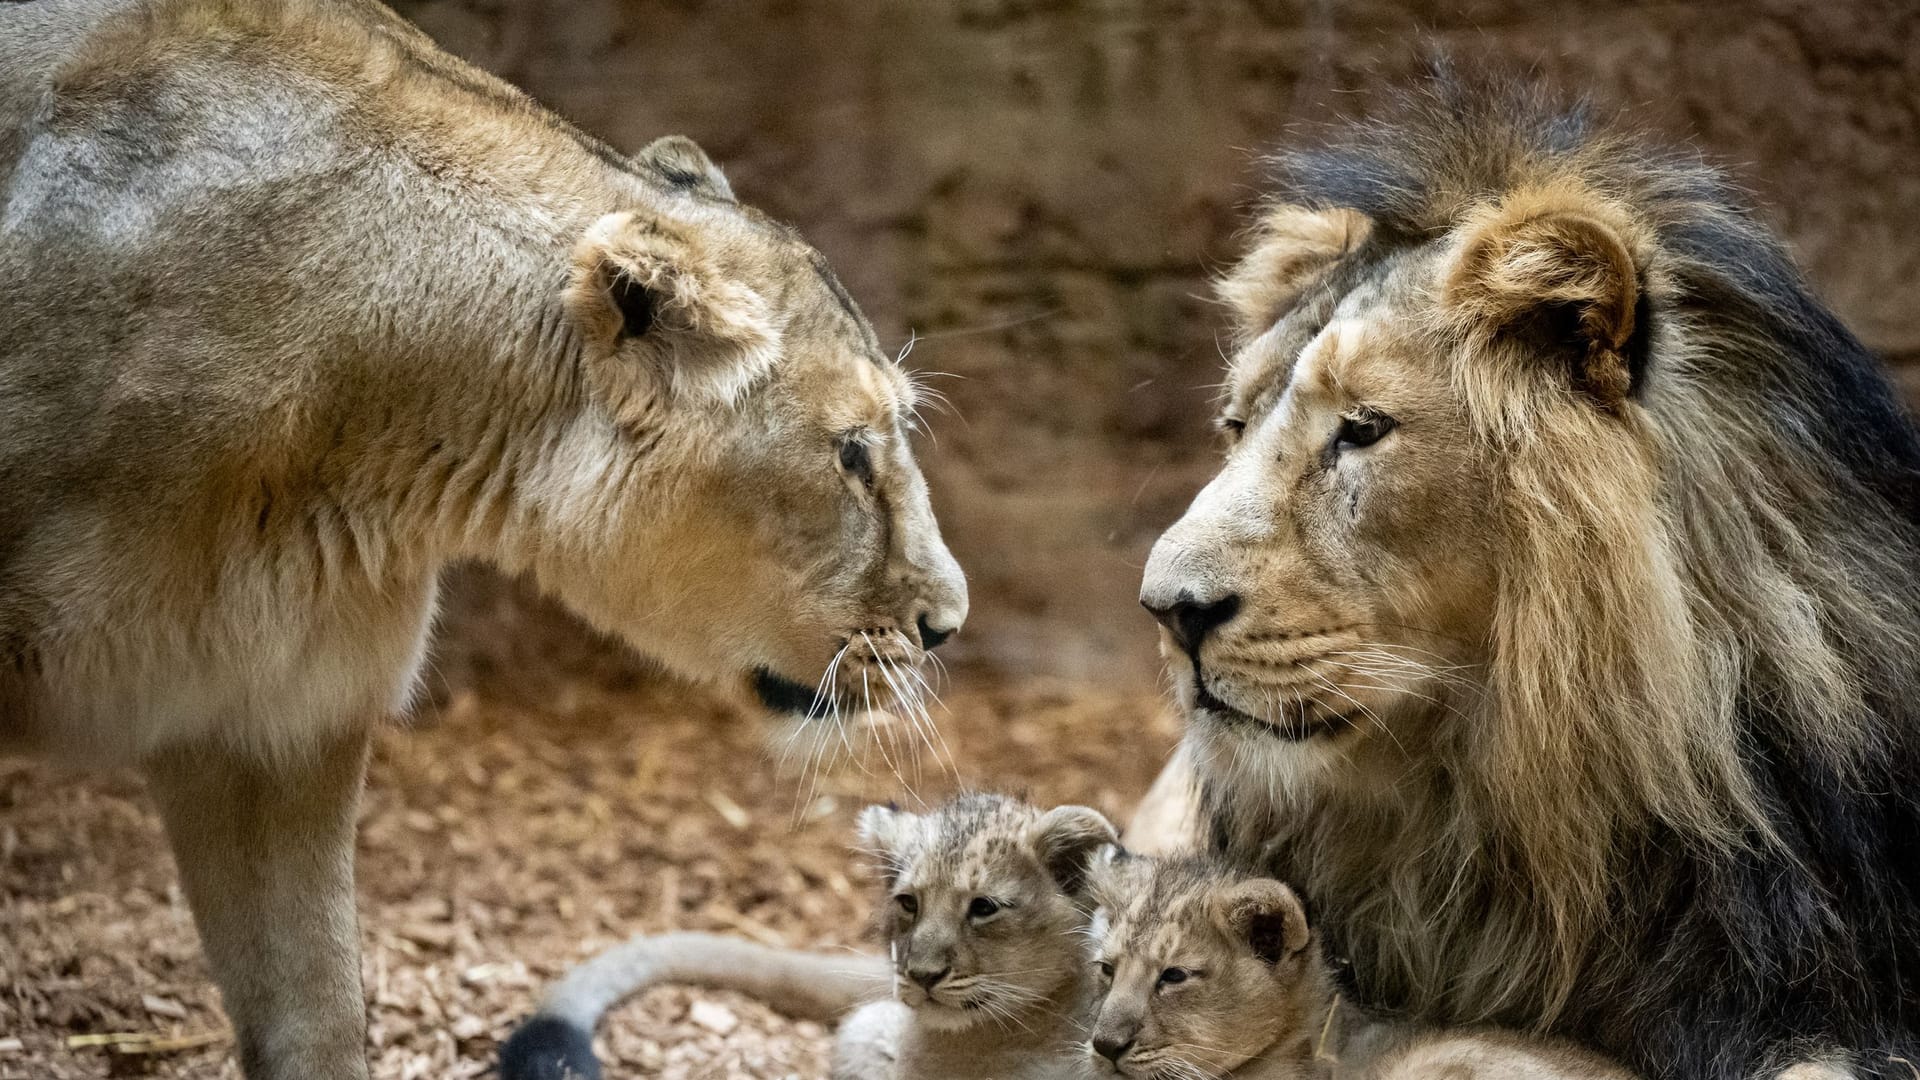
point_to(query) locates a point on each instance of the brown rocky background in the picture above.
(1039, 188)
(1037, 191)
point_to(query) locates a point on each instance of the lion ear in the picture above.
(682, 164)
(1264, 915)
(1066, 839)
(652, 303)
(1292, 246)
(1554, 277)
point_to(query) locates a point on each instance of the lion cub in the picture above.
(1211, 973)
(985, 910)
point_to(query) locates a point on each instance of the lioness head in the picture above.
(1202, 969)
(768, 522)
(985, 901)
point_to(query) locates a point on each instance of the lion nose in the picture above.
(928, 979)
(931, 636)
(1111, 1048)
(1192, 620)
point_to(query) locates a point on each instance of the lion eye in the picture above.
(1363, 430)
(908, 903)
(982, 907)
(1174, 976)
(857, 461)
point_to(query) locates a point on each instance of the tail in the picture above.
(556, 1043)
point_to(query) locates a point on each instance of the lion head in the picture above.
(1561, 539)
(765, 518)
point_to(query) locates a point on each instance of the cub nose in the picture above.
(928, 979)
(1192, 620)
(931, 636)
(1111, 1048)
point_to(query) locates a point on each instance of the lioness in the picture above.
(1553, 622)
(294, 310)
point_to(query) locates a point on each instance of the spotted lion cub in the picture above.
(984, 909)
(1209, 973)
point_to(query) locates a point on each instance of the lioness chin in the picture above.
(294, 310)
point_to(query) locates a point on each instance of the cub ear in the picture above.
(1292, 245)
(886, 831)
(682, 164)
(1065, 840)
(653, 302)
(1265, 915)
(1554, 275)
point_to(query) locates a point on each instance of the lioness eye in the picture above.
(857, 460)
(1106, 970)
(981, 908)
(907, 903)
(1363, 430)
(1232, 426)
(1173, 976)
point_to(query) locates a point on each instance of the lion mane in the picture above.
(1691, 833)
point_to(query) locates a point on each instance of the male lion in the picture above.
(294, 310)
(1554, 621)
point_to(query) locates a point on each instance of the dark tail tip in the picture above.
(548, 1048)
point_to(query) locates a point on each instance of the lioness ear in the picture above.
(652, 304)
(1554, 275)
(1292, 246)
(1265, 915)
(1065, 840)
(680, 162)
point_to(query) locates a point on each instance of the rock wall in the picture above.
(1034, 191)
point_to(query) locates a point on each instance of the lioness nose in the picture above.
(1192, 620)
(931, 636)
(1110, 1047)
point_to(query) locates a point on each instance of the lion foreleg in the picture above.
(266, 857)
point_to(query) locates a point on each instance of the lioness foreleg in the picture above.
(266, 856)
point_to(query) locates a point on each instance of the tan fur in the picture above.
(1257, 1002)
(294, 310)
(1291, 245)
(1011, 1003)
(1469, 659)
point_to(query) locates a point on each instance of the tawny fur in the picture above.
(1583, 698)
(296, 309)
(1012, 995)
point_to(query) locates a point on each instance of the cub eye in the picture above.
(908, 903)
(1363, 430)
(982, 907)
(856, 460)
(1174, 976)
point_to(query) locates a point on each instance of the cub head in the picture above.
(1202, 969)
(985, 901)
(739, 497)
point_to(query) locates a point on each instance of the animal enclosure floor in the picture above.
(507, 835)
